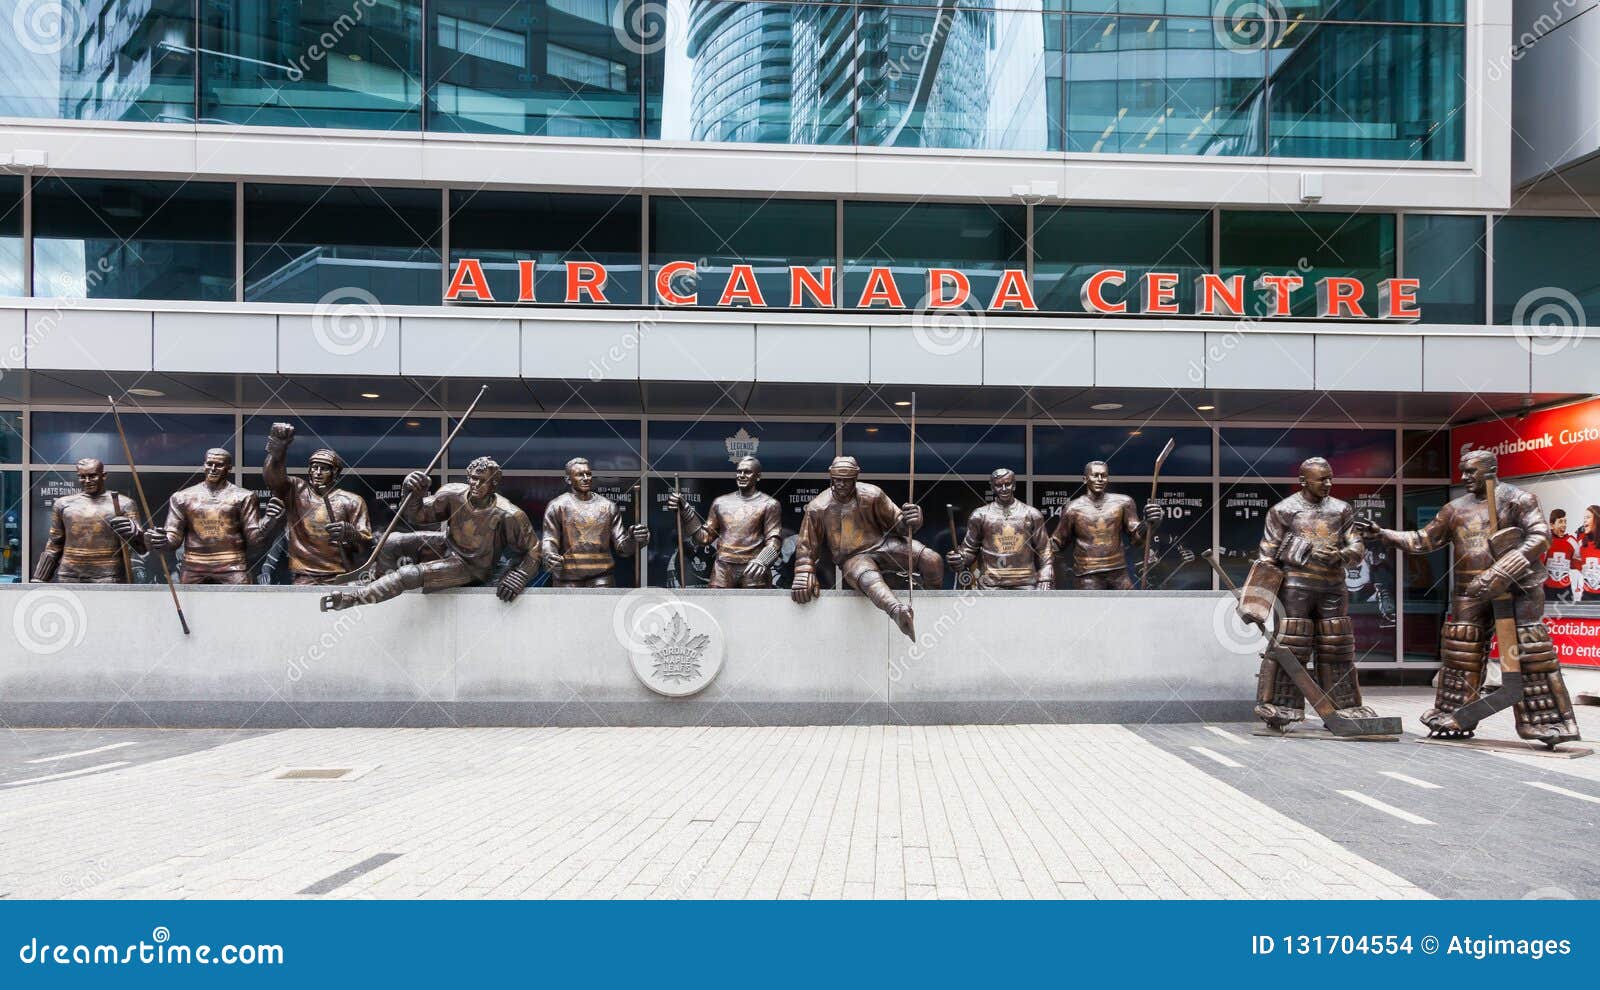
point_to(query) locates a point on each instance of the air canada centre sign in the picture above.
(1108, 292)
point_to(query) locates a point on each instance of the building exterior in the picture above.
(238, 211)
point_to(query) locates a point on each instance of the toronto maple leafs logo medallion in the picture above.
(675, 647)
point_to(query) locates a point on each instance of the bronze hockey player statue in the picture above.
(1500, 536)
(1007, 540)
(480, 526)
(584, 532)
(1093, 525)
(861, 530)
(1310, 538)
(217, 524)
(91, 533)
(746, 525)
(327, 527)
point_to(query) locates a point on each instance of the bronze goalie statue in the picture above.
(480, 527)
(1500, 536)
(1310, 538)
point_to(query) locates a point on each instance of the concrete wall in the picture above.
(85, 655)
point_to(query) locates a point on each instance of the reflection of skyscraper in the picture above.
(121, 57)
(740, 86)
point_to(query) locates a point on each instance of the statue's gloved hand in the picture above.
(1500, 576)
(756, 572)
(419, 482)
(957, 560)
(124, 527)
(341, 533)
(640, 534)
(805, 588)
(1153, 515)
(1327, 556)
(675, 502)
(911, 516)
(512, 584)
(272, 509)
(156, 539)
(1367, 528)
(279, 437)
(552, 561)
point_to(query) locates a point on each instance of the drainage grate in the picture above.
(314, 773)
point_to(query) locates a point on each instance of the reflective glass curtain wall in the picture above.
(1377, 80)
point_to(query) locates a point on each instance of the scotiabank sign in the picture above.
(1565, 438)
(1107, 292)
(1577, 640)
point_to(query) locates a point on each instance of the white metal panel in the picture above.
(1042, 357)
(68, 338)
(580, 349)
(786, 353)
(698, 352)
(1149, 359)
(216, 343)
(460, 348)
(1476, 364)
(354, 340)
(930, 354)
(1252, 359)
(1368, 362)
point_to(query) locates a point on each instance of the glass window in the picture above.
(1426, 453)
(407, 442)
(98, 61)
(157, 439)
(522, 67)
(770, 235)
(130, 239)
(783, 448)
(1371, 580)
(1384, 91)
(1269, 452)
(10, 437)
(1544, 272)
(1242, 513)
(1178, 86)
(11, 235)
(980, 240)
(547, 444)
(1128, 451)
(1447, 254)
(502, 228)
(1185, 534)
(10, 526)
(1072, 243)
(942, 448)
(1402, 11)
(1427, 577)
(308, 243)
(313, 63)
(1312, 245)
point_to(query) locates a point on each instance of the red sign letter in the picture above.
(742, 286)
(1092, 295)
(1283, 286)
(468, 278)
(1160, 292)
(664, 279)
(801, 280)
(525, 281)
(1336, 294)
(880, 288)
(1397, 299)
(1013, 288)
(1213, 290)
(937, 277)
(586, 276)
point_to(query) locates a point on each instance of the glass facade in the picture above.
(304, 244)
(767, 234)
(1072, 243)
(120, 239)
(1326, 79)
(1543, 272)
(11, 235)
(981, 241)
(502, 229)
(1448, 254)
(1312, 245)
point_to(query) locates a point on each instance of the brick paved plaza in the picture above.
(1017, 811)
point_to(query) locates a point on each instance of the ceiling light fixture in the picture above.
(903, 402)
(1106, 406)
(1205, 408)
(147, 393)
(369, 395)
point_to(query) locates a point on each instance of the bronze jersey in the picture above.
(1328, 523)
(81, 534)
(1464, 524)
(587, 533)
(1094, 527)
(479, 534)
(741, 527)
(215, 526)
(311, 550)
(1010, 544)
(842, 529)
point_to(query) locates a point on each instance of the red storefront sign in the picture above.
(1565, 438)
(1577, 640)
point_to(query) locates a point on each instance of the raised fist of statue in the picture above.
(156, 539)
(675, 502)
(280, 436)
(1153, 515)
(419, 482)
(640, 533)
(124, 527)
(512, 584)
(911, 516)
(272, 509)
(341, 533)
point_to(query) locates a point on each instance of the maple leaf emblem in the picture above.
(677, 652)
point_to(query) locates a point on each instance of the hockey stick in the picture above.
(150, 520)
